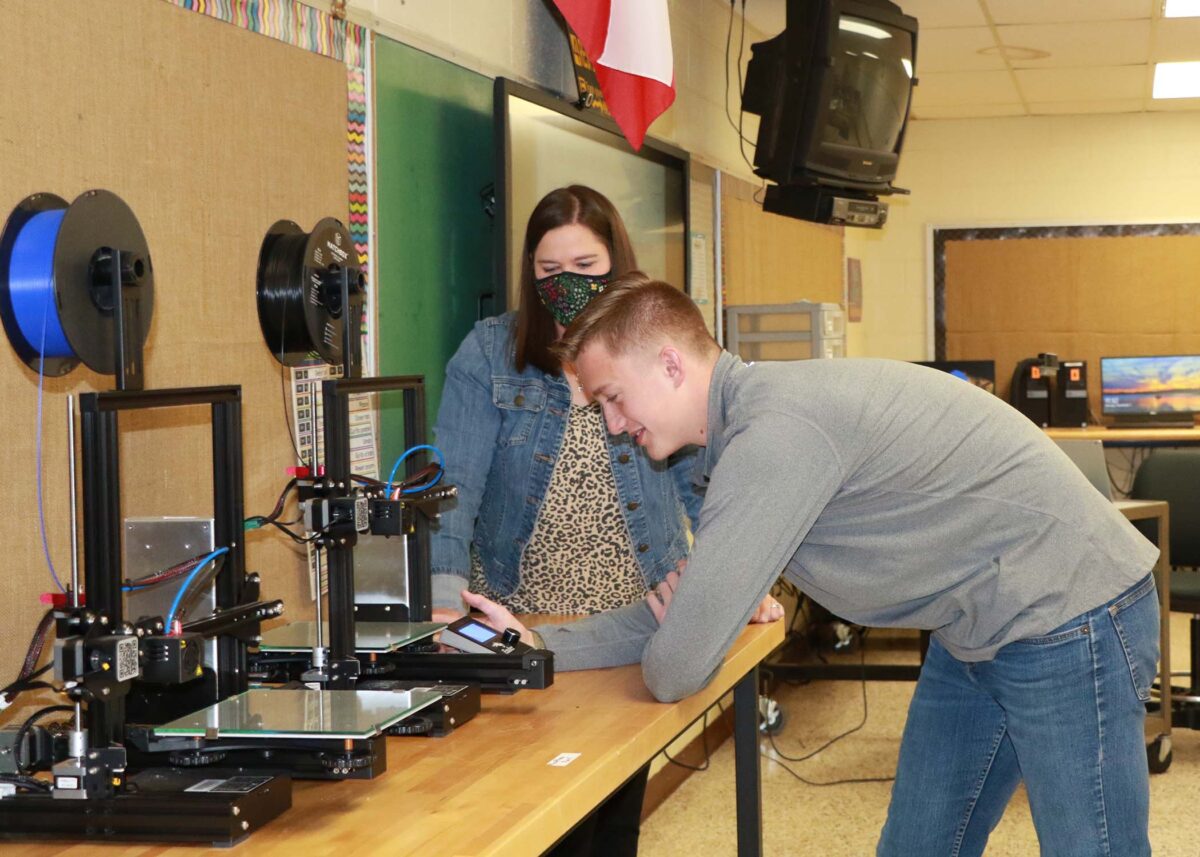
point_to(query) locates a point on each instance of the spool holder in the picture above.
(99, 288)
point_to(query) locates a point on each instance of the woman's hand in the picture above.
(660, 597)
(769, 610)
(498, 617)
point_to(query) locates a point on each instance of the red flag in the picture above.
(629, 44)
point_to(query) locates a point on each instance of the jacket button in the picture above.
(632, 505)
(642, 548)
(519, 400)
(623, 458)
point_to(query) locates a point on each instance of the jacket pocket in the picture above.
(519, 403)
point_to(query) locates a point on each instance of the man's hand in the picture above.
(660, 597)
(769, 610)
(498, 617)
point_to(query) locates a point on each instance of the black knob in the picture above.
(510, 637)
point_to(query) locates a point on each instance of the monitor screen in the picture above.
(1146, 386)
(870, 84)
(476, 632)
(981, 373)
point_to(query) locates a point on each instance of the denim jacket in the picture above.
(500, 431)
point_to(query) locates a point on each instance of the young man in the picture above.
(894, 495)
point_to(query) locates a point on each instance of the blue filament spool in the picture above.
(56, 280)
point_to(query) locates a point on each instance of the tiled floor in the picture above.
(844, 821)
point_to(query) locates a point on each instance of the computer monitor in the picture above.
(1162, 389)
(981, 373)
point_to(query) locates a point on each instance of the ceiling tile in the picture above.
(1176, 40)
(1117, 105)
(1160, 104)
(956, 50)
(964, 87)
(1084, 84)
(1080, 45)
(967, 111)
(933, 14)
(1056, 11)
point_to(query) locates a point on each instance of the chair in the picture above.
(1174, 475)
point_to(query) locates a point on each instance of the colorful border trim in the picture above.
(292, 22)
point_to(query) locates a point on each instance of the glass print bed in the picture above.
(266, 713)
(368, 636)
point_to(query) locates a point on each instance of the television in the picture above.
(544, 142)
(833, 92)
(981, 373)
(1149, 390)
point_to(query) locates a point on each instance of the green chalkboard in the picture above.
(433, 158)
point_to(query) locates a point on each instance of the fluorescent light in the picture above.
(1181, 9)
(907, 63)
(1177, 80)
(862, 28)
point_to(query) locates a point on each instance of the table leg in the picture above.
(1163, 567)
(746, 765)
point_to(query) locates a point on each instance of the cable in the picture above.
(441, 464)
(844, 782)
(741, 88)
(728, 35)
(41, 505)
(19, 740)
(28, 783)
(780, 755)
(182, 589)
(704, 743)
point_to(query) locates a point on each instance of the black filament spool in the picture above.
(300, 290)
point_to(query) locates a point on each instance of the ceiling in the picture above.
(1034, 57)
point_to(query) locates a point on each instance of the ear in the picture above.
(672, 362)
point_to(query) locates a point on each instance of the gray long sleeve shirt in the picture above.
(892, 494)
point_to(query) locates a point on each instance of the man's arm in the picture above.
(772, 482)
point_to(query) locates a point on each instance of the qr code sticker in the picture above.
(127, 659)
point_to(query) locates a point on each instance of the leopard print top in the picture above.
(579, 558)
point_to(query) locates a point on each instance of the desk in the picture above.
(1156, 510)
(1129, 436)
(487, 789)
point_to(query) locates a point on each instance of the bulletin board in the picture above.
(771, 259)
(210, 134)
(1080, 292)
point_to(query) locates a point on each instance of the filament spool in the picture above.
(300, 302)
(56, 280)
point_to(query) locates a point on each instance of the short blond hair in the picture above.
(632, 311)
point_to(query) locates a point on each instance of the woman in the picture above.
(553, 514)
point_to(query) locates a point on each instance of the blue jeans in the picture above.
(1064, 712)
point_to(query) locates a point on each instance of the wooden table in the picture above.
(487, 789)
(1158, 511)
(1129, 436)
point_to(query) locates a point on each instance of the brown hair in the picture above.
(534, 332)
(633, 310)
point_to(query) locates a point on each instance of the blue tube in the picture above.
(31, 284)
(441, 464)
(188, 582)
